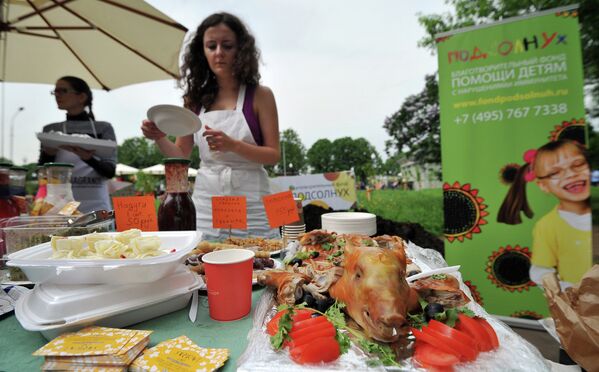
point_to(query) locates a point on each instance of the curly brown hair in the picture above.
(198, 81)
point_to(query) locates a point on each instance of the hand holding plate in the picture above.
(151, 131)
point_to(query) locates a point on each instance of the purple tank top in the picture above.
(248, 113)
(250, 116)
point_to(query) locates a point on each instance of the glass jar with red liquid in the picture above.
(176, 212)
(8, 208)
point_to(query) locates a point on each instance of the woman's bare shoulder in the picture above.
(263, 93)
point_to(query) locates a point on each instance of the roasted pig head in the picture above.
(374, 289)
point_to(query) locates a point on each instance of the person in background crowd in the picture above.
(240, 131)
(90, 172)
(561, 238)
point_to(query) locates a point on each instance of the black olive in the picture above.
(413, 272)
(323, 305)
(258, 265)
(296, 261)
(268, 262)
(308, 299)
(314, 254)
(431, 309)
(315, 315)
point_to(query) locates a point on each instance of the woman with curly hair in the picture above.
(240, 131)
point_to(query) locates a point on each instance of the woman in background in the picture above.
(90, 172)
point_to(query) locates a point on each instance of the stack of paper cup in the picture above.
(293, 231)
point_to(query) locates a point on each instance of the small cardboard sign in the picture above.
(281, 209)
(229, 212)
(135, 212)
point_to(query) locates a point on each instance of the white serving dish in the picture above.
(40, 268)
(349, 223)
(174, 120)
(57, 139)
(54, 309)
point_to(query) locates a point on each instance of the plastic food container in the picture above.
(27, 231)
(18, 233)
(40, 268)
(349, 223)
(55, 309)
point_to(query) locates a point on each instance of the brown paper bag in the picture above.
(576, 315)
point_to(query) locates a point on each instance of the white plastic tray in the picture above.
(56, 139)
(40, 268)
(54, 309)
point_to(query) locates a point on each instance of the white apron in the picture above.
(89, 187)
(226, 173)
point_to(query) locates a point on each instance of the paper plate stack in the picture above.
(349, 223)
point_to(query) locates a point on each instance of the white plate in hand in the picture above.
(174, 120)
(54, 140)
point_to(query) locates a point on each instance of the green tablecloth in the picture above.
(17, 344)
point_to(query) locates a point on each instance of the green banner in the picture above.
(506, 89)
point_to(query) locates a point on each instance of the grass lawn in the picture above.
(425, 207)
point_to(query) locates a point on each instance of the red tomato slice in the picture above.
(428, 355)
(323, 349)
(317, 333)
(431, 340)
(490, 332)
(470, 326)
(272, 326)
(467, 354)
(309, 330)
(454, 333)
(308, 322)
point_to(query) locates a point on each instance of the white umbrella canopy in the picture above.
(157, 169)
(108, 43)
(124, 169)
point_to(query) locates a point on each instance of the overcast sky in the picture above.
(337, 68)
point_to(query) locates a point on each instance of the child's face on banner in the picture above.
(564, 173)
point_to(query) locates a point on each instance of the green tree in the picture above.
(392, 166)
(358, 154)
(293, 155)
(320, 156)
(415, 128)
(140, 152)
(469, 13)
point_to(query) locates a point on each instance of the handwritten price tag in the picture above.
(229, 212)
(280, 209)
(135, 212)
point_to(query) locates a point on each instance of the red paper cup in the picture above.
(229, 282)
